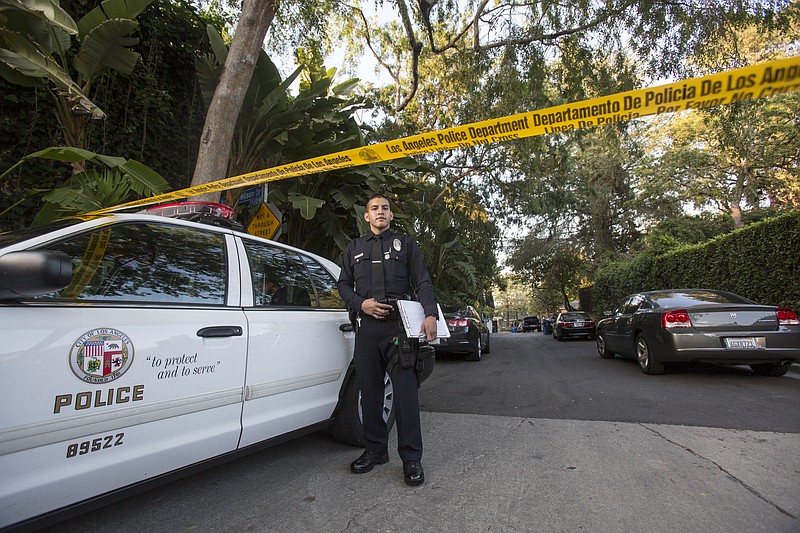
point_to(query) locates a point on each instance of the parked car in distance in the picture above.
(660, 327)
(468, 333)
(531, 323)
(573, 324)
(137, 348)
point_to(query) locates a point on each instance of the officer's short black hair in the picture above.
(377, 195)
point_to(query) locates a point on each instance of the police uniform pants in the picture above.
(374, 347)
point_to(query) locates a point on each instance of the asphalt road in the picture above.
(533, 375)
(539, 436)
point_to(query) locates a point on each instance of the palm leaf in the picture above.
(277, 94)
(110, 9)
(63, 153)
(16, 77)
(45, 10)
(305, 204)
(144, 180)
(22, 56)
(345, 87)
(110, 161)
(105, 47)
(208, 72)
(218, 46)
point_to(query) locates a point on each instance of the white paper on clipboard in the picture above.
(413, 315)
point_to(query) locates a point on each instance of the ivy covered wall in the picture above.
(154, 116)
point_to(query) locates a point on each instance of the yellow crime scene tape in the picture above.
(739, 85)
(86, 269)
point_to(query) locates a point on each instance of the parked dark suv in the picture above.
(531, 323)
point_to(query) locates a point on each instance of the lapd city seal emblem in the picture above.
(369, 155)
(397, 245)
(101, 355)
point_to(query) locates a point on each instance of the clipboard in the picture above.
(412, 314)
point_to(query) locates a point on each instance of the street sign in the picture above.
(252, 196)
(266, 223)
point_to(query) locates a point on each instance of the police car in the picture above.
(137, 347)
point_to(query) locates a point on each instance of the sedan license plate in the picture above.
(579, 324)
(741, 343)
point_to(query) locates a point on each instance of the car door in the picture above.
(626, 325)
(300, 348)
(612, 327)
(133, 370)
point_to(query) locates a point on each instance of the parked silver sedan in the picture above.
(660, 327)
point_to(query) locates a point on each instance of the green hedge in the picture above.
(759, 262)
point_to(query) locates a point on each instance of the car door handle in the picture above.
(220, 331)
(346, 327)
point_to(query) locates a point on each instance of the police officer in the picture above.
(377, 268)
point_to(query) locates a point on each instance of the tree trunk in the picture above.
(215, 142)
(567, 305)
(736, 215)
(736, 201)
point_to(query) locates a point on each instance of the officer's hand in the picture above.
(429, 328)
(375, 309)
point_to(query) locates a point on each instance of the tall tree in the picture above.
(735, 157)
(301, 22)
(217, 135)
(662, 32)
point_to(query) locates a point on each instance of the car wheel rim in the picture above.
(601, 345)
(642, 353)
(388, 399)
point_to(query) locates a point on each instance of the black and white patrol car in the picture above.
(136, 347)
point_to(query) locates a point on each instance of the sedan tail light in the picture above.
(786, 317)
(676, 319)
(458, 323)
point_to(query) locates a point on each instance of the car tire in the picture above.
(770, 369)
(602, 347)
(477, 349)
(645, 357)
(347, 426)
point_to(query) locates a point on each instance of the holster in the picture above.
(405, 353)
(408, 352)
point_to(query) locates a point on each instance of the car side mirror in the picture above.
(32, 273)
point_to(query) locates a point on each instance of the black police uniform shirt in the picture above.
(403, 270)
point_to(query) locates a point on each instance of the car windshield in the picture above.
(689, 298)
(574, 316)
(453, 310)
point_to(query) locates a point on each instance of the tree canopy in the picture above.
(578, 199)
